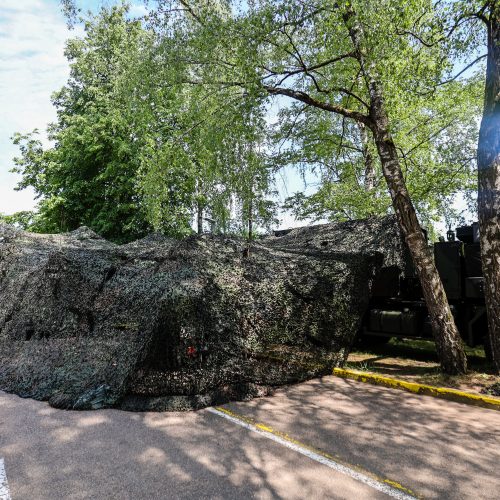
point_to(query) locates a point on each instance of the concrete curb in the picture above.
(415, 388)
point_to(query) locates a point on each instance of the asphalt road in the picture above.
(271, 447)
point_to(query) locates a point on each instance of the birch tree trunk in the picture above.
(199, 217)
(250, 220)
(369, 181)
(449, 345)
(488, 162)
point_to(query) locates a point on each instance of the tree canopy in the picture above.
(136, 147)
(164, 123)
(88, 176)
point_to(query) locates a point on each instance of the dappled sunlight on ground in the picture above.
(438, 448)
(114, 454)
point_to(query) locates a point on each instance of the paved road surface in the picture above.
(437, 449)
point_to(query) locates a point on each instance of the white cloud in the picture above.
(138, 10)
(32, 66)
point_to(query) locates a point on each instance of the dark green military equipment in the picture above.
(397, 306)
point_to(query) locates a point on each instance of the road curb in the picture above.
(422, 389)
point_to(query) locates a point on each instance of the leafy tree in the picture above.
(459, 29)
(89, 175)
(341, 154)
(217, 143)
(488, 159)
(436, 138)
(23, 220)
(211, 161)
(136, 146)
(353, 59)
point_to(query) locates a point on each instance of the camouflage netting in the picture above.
(166, 324)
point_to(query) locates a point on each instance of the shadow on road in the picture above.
(438, 448)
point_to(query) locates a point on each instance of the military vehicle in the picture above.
(397, 307)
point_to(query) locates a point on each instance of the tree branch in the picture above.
(307, 99)
(188, 7)
(463, 70)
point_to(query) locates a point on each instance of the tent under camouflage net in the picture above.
(167, 324)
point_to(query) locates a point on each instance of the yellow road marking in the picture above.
(416, 388)
(358, 470)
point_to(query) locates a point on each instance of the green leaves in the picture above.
(87, 176)
(139, 144)
(305, 51)
(167, 119)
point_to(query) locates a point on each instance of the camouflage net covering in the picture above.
(165, 324)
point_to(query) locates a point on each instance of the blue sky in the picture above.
(32, 66)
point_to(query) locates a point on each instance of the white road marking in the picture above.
(358, 476)
(4, 487)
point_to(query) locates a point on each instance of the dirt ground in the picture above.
(416, 361)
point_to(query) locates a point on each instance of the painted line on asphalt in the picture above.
(420, 389)
(4, 487)
(390, 488)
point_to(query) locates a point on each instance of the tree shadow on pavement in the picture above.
(109, 454)
(439, 449)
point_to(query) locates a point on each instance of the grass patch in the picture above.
(416, 361)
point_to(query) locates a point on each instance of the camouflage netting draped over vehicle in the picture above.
(167, 324)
